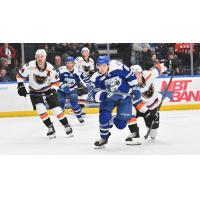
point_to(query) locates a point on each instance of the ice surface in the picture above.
(179, 133)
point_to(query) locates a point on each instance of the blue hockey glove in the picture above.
(65, 89)
(136, 92)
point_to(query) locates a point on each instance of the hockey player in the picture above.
(43, 80)
(70, 77)
(84, 64)
(149, 111)
(117, 78)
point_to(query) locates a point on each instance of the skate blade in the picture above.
(52, 136)
(133, 143)
(70, 135)
(99, 147)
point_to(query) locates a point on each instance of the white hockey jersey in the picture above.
(150, 92)
(39, 80)
(83, 65)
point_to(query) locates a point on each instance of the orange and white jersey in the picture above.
(149, 91)
(40, 80)
(83, 65)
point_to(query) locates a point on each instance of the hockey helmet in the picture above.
(85, 49)
(69, 59)
(136, 68)
(41, 52)
(103, 60)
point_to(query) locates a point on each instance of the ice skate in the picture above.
(51, 132)
(68, 131)
(132, 139)
(100, 144)
(81, 120)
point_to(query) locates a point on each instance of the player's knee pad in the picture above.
(105, 117)
(124, 109)
(56, 111)
(120, 124)
(40, 108)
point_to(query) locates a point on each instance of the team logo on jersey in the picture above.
(148, 93)
(113, 84)
(69, 82)
(40, 79)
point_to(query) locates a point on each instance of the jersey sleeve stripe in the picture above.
(148, 77)
(129, 74)
(18, 77)
(158, 67)
(133, 82)
(21, 75)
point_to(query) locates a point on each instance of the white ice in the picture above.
(179, 133)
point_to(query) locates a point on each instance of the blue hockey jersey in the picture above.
(118, 79)
(71, 78)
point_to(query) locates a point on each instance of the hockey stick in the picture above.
(163, 97)
(73, 99)
(112, 92)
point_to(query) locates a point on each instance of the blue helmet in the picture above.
(69, 59)
(103, 60)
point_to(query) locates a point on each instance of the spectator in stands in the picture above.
(136, 54)
(4, 63)
(197, 64)
(57, 62)
(154, 59)
(70, 49)
(49, 52)
(124, 52)
(10, 70)
(8, 52)
(146, 59)
(3, 75)
(173, 64)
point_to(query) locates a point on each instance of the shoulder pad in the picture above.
(90, 59)
(114, 65)
(94, 76)
(62, 69)
(49, 66)
(78, 59)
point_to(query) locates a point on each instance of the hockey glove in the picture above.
(21, 90)
(53, 91)
(65, 89)
(136, 93)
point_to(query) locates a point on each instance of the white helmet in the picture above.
(136, 68)
(85, 49)
(41, 52)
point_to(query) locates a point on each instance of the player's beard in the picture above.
(41, 64)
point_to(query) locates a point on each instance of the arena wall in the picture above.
(184, 93)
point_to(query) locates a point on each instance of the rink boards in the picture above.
(183, 94)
